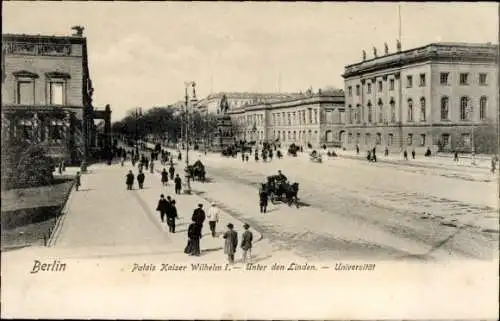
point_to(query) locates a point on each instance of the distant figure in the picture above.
(413, 154)
(77, 181)
(164, 177)
(178, 184)
(163, 207)
(152, 167)
(199, 215)
(171, 171)
(386, 152)
(428, 152)
(357, 149)
(405, 155)
(246, 243)
(263, 199)
(140, 179)
(172, 216)
(194, 235)
(231, 242)
(494, 161)
(455, 156)
(129, 180)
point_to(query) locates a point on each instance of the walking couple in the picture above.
(168, 211)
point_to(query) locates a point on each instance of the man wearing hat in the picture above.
(199, 215)
(213, 217)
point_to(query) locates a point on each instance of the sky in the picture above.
(140, 54)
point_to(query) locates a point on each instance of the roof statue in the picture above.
(78, 30)
(364, 55)
(224, 105)
(398, 45)
(375, 52)
(386, 48)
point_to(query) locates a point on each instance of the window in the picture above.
(464, 106)
(369, 112)
(445, 138)
(369, 88)
(349, 91)
(289, 116)
(483, 79)
(380, 86)
(357, 90)
(349, 114)
(410, 109)
(358, 138)
(464, 78)
(378, 139)
(445, 107)
(443, 78)
(349, 138)
(310, 116)
(26, 92)
(294, 135)
(390, 139)
(357, 116)
(483, 104)
(422, 140)
(410, 139)
(466, 141)
(422, 109)
(315, 116)
(56, 131)
(26, 127)
(391, 84)
(393, 111)
(409, 81)
(367, 138)
(380, 111)
(422, 80)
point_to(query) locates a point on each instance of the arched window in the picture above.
(422, 109)
(464, 105)
(378, 139)
(410, 109)
(380, 111)
(393, 110)
(445, 108)
(294, 135)
(356, 114)
(369, 105)
(483, 105)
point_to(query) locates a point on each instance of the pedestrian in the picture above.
(493, 163)
(247, 157)
(199, 215)
(194, 236)
(413, 154)
(123, 160)
(146, 163)
(246, 243)
(357, 149)
(386, 152)
(242, 156)
(178, 184)
(263, 199)
(231, 242)
(172, 216)
(63, 165)
(213, 218)
(455, 156)
(164, 177)
(171, 171)
(129, 180)
(270, 154)
(78, 181)
(405, 154)
(163, 207)
(152, 167)
(140, 179)
(60, 168)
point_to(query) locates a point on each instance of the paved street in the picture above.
(365, 210)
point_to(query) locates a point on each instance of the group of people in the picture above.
(195, 232)
(168, 212)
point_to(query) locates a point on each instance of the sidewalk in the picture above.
(439, 161)
(99, 218)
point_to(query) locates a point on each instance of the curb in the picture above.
(225, 209)
(54, 235)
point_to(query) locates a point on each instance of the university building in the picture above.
(47, 96)
(434, 96)
(305, 118)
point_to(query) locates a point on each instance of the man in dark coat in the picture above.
(164, 177)
(194, 236)
(140, 179)
(199, 215)
(129, 180)
(178, 184)
(413, 154)
(163, 207)
(171, 215)
(171, 171)
(231, 242)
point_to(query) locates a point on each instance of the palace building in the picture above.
(434, 96)
(47, 96)
(314, 118)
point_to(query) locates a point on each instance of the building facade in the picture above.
(309, 118)
(47, 95)
(434, 96)
(211, 103)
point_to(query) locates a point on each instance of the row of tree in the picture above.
(165, 123)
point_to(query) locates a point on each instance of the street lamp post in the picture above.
(187, 84)
(473, 146)
(138, 113)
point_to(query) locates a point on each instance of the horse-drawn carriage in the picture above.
(315, 157)
(280, 190)
(197, 171)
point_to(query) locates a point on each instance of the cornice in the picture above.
(56, 74)
(25, 73)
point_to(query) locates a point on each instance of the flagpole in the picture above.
(399, 21)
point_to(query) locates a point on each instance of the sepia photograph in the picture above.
(250, 160)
